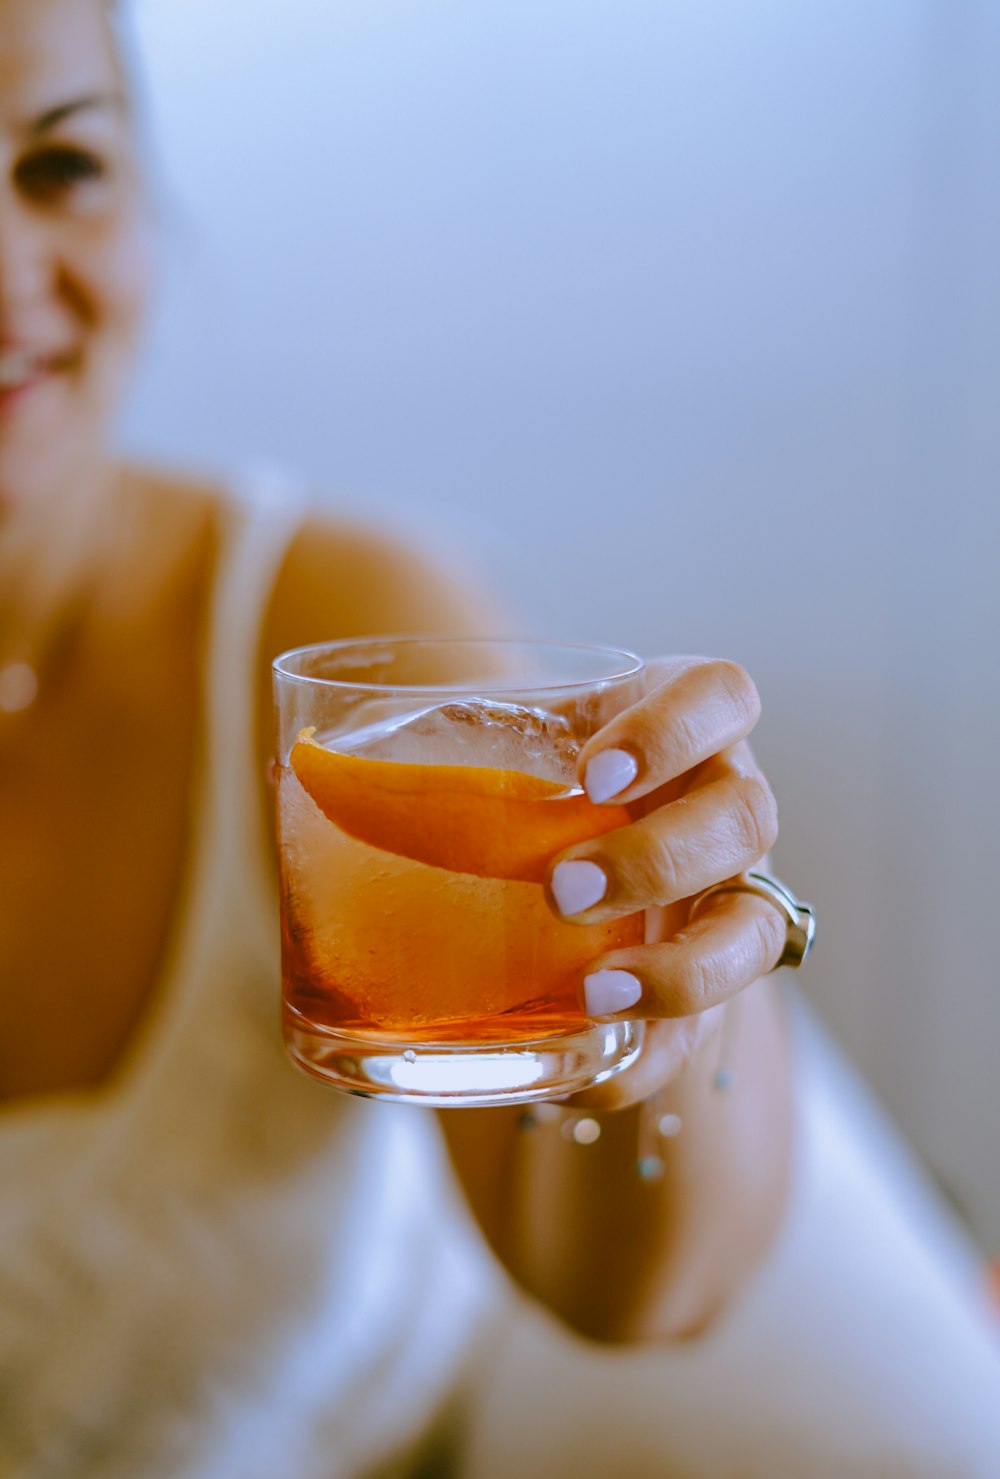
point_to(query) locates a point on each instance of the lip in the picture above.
(23, 371)
(12, 397)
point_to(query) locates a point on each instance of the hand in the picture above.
(703, 812)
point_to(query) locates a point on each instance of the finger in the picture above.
(667, 1049)
(719, 828)
(735, 939)
(697, 707)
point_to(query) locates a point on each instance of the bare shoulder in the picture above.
(343, 578)
(184, 492)
(167, 519)
(340, 577)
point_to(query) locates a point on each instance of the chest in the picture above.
(95, 832)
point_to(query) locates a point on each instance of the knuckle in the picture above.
(756, 814)
(670, 732)
(740, 689)
(663, 870)
(771, 932)
(683, 738)
(697, 983)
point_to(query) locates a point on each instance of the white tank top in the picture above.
(213, 1268)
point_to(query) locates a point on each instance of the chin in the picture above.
(27, 491)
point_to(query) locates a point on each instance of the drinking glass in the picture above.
(424, 785)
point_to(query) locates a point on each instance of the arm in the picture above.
(621, 1258)
(616, 1257)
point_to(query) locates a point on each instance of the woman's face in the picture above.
(73, 246)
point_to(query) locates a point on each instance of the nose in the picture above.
(24, 256)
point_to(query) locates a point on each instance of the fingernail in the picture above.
(607, 992)
(577, 886)
(608, 773)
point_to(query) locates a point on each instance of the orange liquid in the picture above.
(383, 947)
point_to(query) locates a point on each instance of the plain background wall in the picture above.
(681, 320)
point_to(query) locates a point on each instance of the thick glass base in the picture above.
(456, 1074)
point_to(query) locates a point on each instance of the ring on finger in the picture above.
(800, 918)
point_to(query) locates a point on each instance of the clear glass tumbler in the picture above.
(424, 787)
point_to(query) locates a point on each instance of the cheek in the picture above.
(133, 281)
(116, 279)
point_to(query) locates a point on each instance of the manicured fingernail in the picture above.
(608, 773)
(607, 992)
(577, 886)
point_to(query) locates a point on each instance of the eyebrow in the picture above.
(54, 116)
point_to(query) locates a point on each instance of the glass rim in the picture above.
(633, 664)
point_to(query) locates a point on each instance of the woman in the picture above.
(211, 1266)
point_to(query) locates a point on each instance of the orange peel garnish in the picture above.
(466, 818)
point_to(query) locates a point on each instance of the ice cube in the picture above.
(473, 731)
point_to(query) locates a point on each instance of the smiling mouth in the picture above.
(19, 369)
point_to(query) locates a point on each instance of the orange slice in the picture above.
(466, 818)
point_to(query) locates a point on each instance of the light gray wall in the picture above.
(682, 320)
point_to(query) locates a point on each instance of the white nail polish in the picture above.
(608, 773)
(607, 992)
(577, 886)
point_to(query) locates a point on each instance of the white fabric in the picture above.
(214, 1269)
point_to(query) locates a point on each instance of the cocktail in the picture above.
(424, 786)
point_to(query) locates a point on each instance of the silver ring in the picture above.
(800, 931)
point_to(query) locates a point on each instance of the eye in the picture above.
(58, 172)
